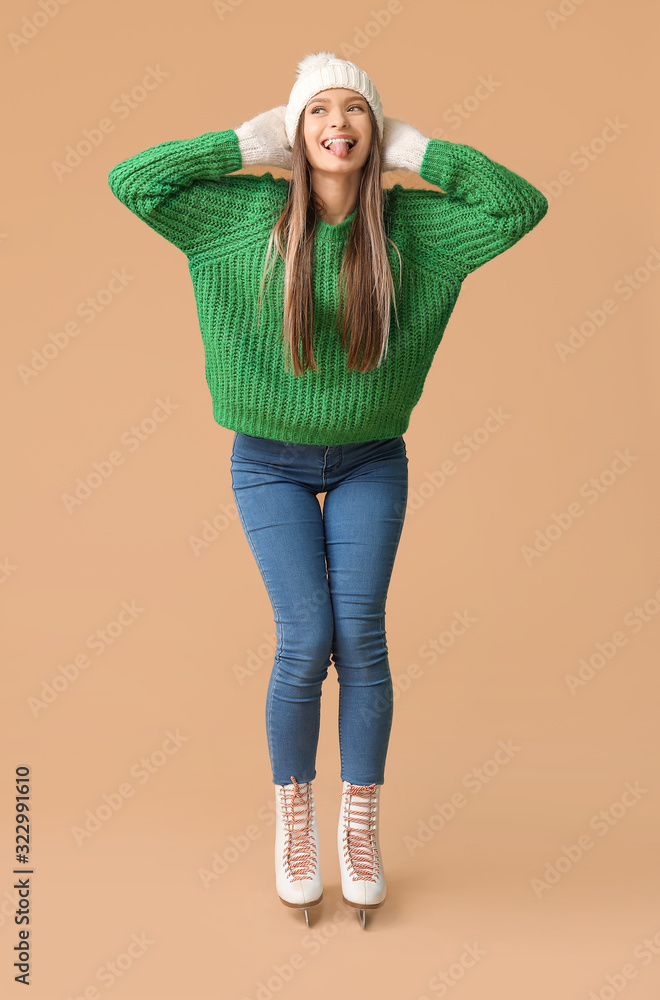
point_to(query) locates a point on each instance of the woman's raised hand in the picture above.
(263, 139)
(403, 145)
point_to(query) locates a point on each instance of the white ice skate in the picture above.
(297, 865)
(362, 878)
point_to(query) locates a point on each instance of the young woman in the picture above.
(322, 301)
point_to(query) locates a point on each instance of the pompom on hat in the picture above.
(323, 71)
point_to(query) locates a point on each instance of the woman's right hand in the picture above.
(263, 139)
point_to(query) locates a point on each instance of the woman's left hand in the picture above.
(403, 145)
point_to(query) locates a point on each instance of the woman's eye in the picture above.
(358, 106)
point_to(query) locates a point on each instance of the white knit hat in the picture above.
(322, 71)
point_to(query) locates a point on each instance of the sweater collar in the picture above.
(327, 229)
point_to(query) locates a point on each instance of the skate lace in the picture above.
(299, 848)
(360, 849)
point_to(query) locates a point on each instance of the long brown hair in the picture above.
(365, 270)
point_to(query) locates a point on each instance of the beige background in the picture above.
(195, 658)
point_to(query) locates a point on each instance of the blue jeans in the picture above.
(327, 572)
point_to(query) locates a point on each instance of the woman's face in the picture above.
(337, 111)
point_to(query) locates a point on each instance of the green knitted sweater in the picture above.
(222, 223)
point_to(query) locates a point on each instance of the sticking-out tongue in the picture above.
(339, 147)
